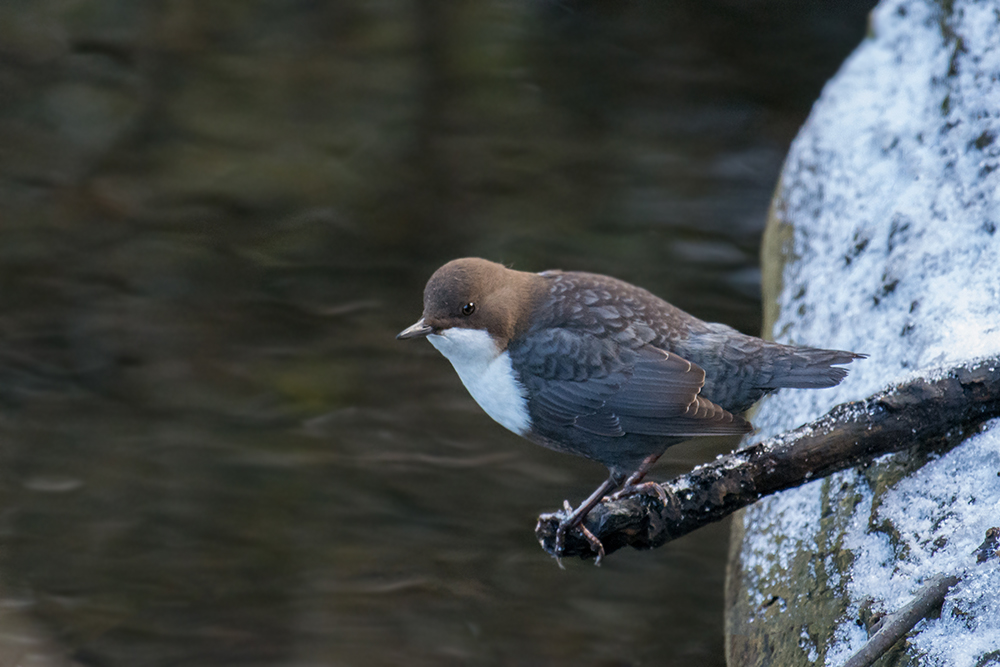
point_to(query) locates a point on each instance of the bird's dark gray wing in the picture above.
(600, 387)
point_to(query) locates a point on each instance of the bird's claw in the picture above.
(595, 544)
(566, 523)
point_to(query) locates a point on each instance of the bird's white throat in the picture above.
(487, 374)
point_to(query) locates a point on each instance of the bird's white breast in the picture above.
(487, 374)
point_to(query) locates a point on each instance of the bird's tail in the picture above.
(807, 368)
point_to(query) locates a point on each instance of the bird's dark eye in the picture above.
(468, 309)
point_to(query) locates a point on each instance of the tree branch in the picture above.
(895, 419)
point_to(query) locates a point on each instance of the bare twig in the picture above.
(931, 595)
(896, 625)
(916, 412)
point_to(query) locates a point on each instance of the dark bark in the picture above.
(917, 412)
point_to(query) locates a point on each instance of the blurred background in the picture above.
(214, 218)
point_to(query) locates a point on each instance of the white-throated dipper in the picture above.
(591, 365)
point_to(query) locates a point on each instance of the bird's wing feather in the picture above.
(600, 387)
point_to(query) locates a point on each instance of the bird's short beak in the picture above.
(417, 330)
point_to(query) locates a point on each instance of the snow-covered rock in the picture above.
(884, 238)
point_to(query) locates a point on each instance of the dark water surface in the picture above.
(213, 220)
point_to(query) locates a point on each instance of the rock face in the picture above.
(883, 239)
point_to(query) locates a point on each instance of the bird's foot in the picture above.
(595, 544)
(569, 519)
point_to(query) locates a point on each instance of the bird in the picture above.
(591, 365)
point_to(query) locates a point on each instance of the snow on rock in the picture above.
(885, 231)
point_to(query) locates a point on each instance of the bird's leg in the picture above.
(634, 484)
(574, 519)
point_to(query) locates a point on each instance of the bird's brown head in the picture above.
(474, 293)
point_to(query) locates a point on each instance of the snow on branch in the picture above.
(929, 410)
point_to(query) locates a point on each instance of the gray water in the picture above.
(212, 449)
